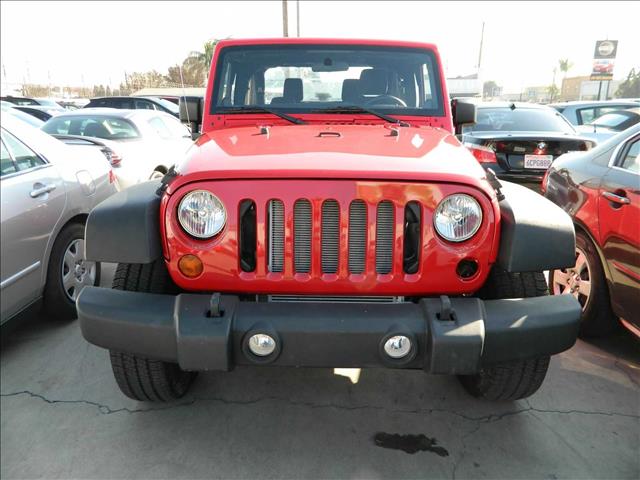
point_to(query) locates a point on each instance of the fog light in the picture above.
(397, 346)
(190, 266)
(262, 344)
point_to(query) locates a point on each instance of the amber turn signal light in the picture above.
(190, 266)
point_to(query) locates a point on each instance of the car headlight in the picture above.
(457, 217)
(202, 214)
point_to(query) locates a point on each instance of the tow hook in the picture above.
(447, 313)
(215, 309)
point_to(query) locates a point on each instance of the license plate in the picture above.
(539, 162)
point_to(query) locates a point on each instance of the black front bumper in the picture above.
(181, 329)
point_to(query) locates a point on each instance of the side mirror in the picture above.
(191, 111)
(463, 113)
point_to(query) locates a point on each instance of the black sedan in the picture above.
(520, 141)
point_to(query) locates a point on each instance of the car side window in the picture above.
(630, 161)
(6, 162)
(143, 105)
(23, 156)
(586, 115)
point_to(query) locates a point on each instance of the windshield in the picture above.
(172, 107)
(109, 128)
(309, 78)
(519, 120)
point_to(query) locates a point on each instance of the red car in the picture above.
(328, 216)
(600, 189)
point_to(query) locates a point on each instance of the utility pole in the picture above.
(480, 53)
(285, 19)
(298, 17)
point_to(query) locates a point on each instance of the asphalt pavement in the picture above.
(62, 416)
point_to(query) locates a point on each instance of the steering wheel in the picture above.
(386, 100)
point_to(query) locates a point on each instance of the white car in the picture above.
(47, 191)
(140, 144)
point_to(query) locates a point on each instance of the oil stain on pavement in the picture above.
(409, 443)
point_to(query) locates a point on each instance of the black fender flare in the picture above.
(536, 234)
(125, 228)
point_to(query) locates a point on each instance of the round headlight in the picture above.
(201, 214)
(458, 217)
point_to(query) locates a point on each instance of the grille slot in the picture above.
(275, 219)
(412, 237)
(357, 236)
(384, 237)
(330, 236)
(333, 299)
(247, 236)
(302, 229)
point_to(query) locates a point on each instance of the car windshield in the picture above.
(172, 107)
(610, 120)
(311, 78)
(519, 120)
(109, 128)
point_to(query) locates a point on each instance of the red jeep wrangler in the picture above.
(328, 217)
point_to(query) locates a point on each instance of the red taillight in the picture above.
(483, 154)
(113, 157)
(112, 176)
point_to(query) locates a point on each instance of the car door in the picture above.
(619, 218)
(33, 199)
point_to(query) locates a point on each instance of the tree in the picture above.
(553, 91)
(630, 88)
(565, 65)
(196, 66)
(490, 89)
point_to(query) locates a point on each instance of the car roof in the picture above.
(119, 97)
(583, 103)
(111, 112)
(517, 105)
(227, 42)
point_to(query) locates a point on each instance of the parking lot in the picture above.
(304, 423)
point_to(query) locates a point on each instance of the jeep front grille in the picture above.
(332, 232)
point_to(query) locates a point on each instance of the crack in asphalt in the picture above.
(493, 417)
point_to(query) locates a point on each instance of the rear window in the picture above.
(109, 128)
(610, 120)
(172, 107)
(519, 120)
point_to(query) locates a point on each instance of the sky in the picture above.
(86, 43)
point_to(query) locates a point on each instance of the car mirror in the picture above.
(463, 113)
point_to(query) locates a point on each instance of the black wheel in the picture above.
(68, 273)
(586, 281)
(141, 378)
(517, 379)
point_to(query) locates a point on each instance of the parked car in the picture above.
(324, 231)
(169, 98)
(144, 144)
(135, 103)
(600, 189)
(610, 124)
(10, 109)
(48, 189)
(34, 102)
(581, 112)
(519, 141)
(38, 111)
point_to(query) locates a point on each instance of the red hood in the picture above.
(331, 151)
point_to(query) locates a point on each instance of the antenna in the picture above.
(184, 95)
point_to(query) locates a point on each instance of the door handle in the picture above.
(40, 189)
(615, 198)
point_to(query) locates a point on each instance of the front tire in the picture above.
(68, 272)
(521, 378)
(142, 378)
(587, 283)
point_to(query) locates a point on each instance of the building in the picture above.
(583, 88)
(539, 94)
(465, 86)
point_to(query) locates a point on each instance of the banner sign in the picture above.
(604, 59)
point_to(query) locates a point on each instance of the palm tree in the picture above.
(197, 64)
(565, 65)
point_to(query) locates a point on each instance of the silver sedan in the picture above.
(47, 190)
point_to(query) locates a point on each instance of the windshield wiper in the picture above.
(261, 109)
(359, 109)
